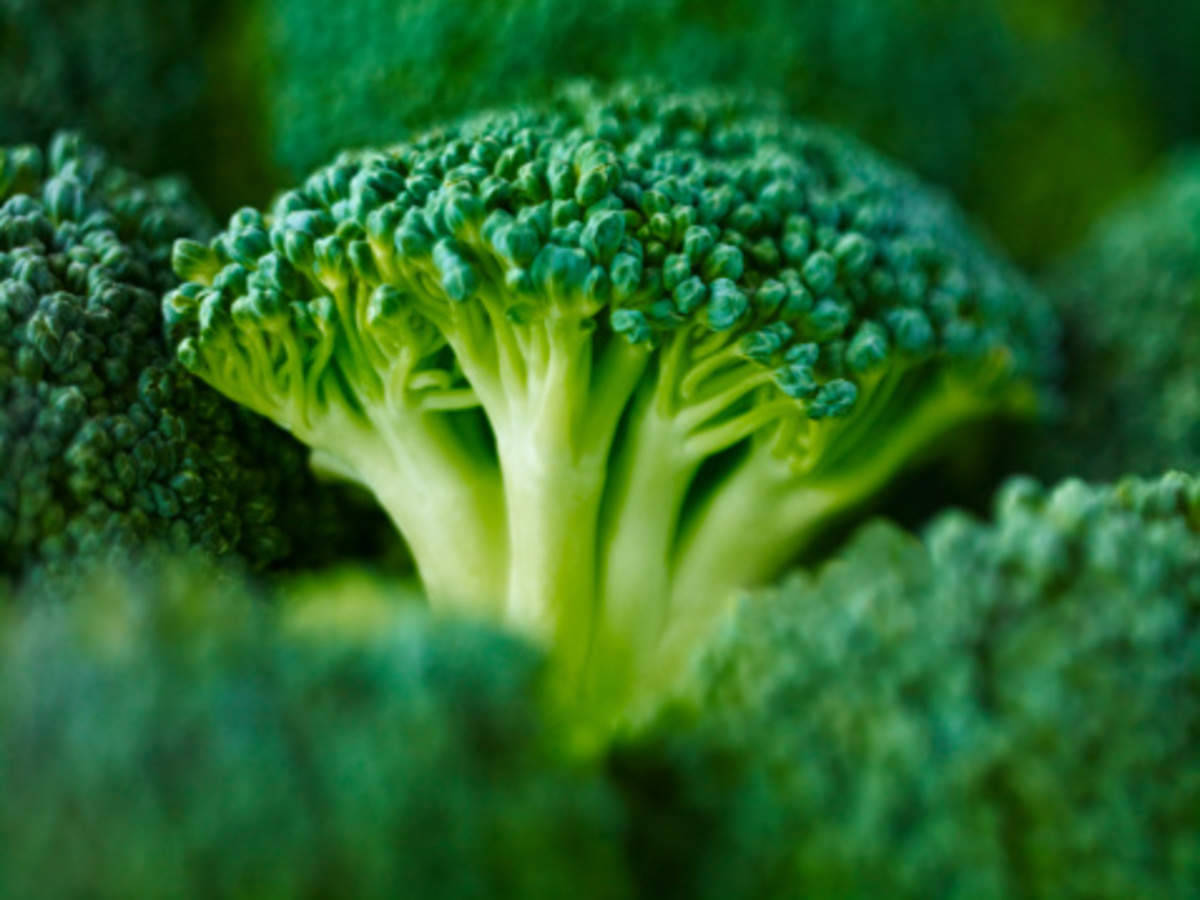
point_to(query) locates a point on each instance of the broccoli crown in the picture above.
(104, 438)
(1004, 103)
(1131, 299)
(1008, 709)
(162, 736)
(605, 357)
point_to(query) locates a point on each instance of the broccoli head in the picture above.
(104, 438)
(606, 360)
(1131, 301)
(1008, 709)
(162, 735)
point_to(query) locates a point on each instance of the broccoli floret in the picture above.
(162, 736)
(1008, 709)
(605, 361)
(104, 439)
(1012, 108)
(1131, 301)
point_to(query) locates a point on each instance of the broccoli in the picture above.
(1131, 301)
(161, 735)
(162, 86)
(105, 441)
(117, 68)
(1007, 709)
(603, 362)
(1012, 106)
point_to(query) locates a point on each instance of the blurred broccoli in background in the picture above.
(104, 439)
(1007, 709)
(162, 735)
(127, 70)
(1158, 38)
(1131, 300)
(1014, 106)
(151, 81)
(1011, 106)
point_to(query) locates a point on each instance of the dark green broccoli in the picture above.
(1009, 709)
(605, 361)
(104, 439)
(162, 86)
(128, 71)
(1131, 300)
(162, 736)
(1010, 105)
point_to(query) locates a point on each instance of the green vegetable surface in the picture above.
(1130, 297)
(105, 440)
(578, 462)
(1015, 106)
(162, 735)
(1005, 709)
(604, 362)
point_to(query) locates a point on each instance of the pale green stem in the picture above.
(763, 514)
(651, 478)
(554, 456)
(448, 506)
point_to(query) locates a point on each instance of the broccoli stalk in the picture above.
(604, 362)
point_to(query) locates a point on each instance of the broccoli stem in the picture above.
(553, 509)
(554, 455)
(448, 505)
(763, 514)
(652, 474)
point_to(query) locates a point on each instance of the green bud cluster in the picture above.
(593, 300)
(1007, 708)
(104, 438)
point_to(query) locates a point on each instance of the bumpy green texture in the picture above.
(1131, 300)
(161, 736)
(104, 439)
(605, 361)
(1012, 105)
(1008, 709)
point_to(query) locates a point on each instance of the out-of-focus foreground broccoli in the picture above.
(104, 439)
(606, 360)
(1130, 298)
(162, 735)
(1006, 709)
